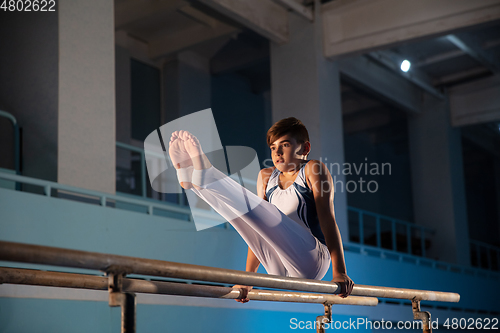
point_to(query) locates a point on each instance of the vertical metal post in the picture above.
(488, 258)
(393, 233)
(377, 226)
(324, 319)
(126, 301)
(422, 240)
(17, 153)
(182, 200)
(498, 259)
(143, 174)
(425, 316)
(408, 238)
(478, 254)
(128, 312)
(17, 147)
(361, 231)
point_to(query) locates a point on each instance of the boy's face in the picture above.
(287, 153)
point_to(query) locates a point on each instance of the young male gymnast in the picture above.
(291, 226)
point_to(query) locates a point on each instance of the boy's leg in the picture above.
(267, 255)
(257, 220)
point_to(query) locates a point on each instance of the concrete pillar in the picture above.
(187, 88)
(86, 108)
(186, 84)
(497, 192)
(268, 114)
(438, 181)
(307, 86)
(123, 109)
(123, 95)
(28, 89)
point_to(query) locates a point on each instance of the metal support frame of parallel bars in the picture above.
(122, 290)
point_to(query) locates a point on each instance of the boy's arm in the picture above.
(322, 186)
(252, 266)
(252, 262)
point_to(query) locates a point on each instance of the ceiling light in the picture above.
(405, 65)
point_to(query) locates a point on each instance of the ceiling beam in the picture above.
(473, 48)
(383, 82)
(175, 42)
(262, 16)
(198, 16)
(132, 11)
(457, 77)
(386, 23)
(419, 78)
(301, 10)
(475, 102)
(438, 58)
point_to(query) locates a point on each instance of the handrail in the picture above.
(135, 149)
(143, 164)
(152, 204)
(17, 153)
(393, 221)
(46, 255)
(488, 247)
(130, 147)
(384, 253)
(387, 217)
(103, 197)
(84, 281)
(9, 116)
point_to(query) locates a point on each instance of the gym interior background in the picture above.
(86, 83)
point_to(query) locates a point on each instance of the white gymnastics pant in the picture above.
(283, 246)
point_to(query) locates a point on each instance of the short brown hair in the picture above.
(291, 126)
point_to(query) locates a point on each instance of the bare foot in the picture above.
(179, 156)
(193, 148)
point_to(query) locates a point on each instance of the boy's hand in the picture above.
(244, 293)
(346, 284)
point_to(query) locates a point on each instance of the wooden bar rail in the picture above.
(46, 255)
(122, 290)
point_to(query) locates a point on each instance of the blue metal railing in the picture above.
(417, 260)
(17, 154)
(362, 216)
(152, 207)
(181, 197)
(490, 259)
(142, 164)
